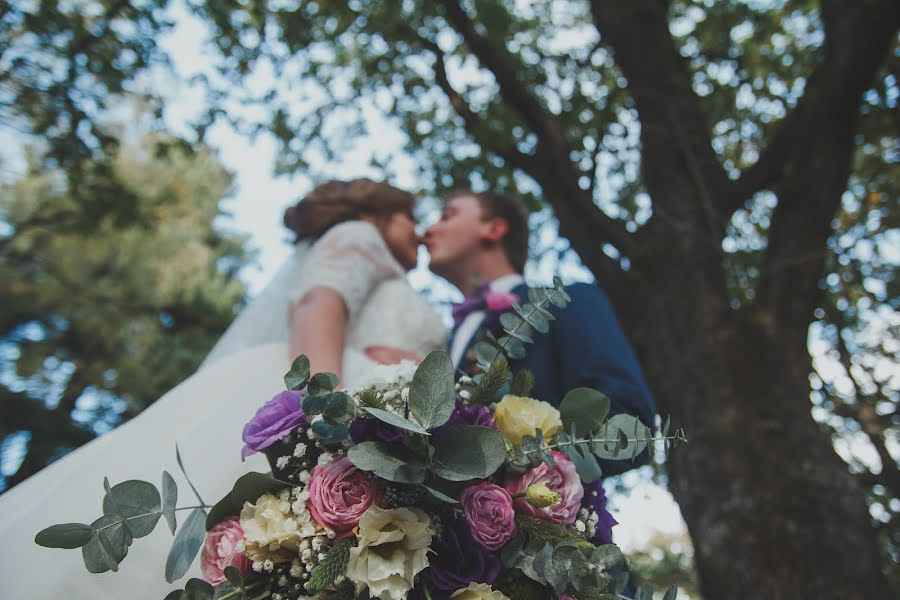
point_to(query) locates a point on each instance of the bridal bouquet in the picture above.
(419, 486)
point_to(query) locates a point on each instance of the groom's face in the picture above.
(457, 236)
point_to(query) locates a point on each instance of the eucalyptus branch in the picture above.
(239, 592)
(677, 438)
(150, 514)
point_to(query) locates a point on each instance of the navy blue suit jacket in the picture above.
(586, 347)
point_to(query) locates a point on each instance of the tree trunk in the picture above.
(772, 509)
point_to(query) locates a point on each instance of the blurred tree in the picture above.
(62, 66)
(96, 326)
(712, 163)
(665, 560)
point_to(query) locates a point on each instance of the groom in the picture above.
(480, 245)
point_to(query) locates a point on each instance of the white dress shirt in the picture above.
(469, 327)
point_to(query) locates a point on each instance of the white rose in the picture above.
(264, 523)
(478, 591)
(392, 550)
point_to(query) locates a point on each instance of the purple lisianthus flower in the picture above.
(374, 430)
(459, 560)
(595, 499)
(476, 414)
(275, 420)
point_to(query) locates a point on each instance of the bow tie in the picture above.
(494, 303)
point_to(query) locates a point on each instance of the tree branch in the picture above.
(675, 138)
(858, 35)
(512, 90)
(814, 173)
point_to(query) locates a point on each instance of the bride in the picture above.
(342, 291)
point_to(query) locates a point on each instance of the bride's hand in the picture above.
(386, 355)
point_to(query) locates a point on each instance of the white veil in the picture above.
(266, 319)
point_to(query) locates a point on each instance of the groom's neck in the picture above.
(482, 272)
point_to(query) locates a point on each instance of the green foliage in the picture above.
(585, 409)
(489, 383)
(520, 325)
(522, 383)
(67, 535)
(298, 376)
(396, 420)
(91, 343)
(387, 462)
(187, 544)
(331, 567)
(464, 452)
(432, 390)
(131, 500)
(336, 408)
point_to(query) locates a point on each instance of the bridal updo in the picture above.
(338, 201)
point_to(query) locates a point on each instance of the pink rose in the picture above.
(489, 511)
(339, 494)
(221, 550)
(561, 479)
(497, 301)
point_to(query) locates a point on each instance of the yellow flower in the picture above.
(516, 416)
(392, 550)
(540, 496)
(478, 591)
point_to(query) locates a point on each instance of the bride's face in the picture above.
(399, 232)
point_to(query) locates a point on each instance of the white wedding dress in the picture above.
(205, 416)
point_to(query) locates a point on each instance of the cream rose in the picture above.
(478, 591)
(516, 416)
(392, 550)
(270, 521)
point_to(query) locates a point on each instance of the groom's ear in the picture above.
(495, 229)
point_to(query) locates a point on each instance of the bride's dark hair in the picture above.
(338, 201)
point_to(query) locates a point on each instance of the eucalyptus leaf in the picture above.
(396, 420)
(432, 392)
(108, 546)
(322, 384)
(66, 535)
(313, 405)
(542, 559)
(132, 499)
(387, 462)
(185, 547)
(298, 376)
(330, 434)
(227, 589)
(585, 464)
(510, 320)
(463, 452)
(197, 589)
(514, 348)
(339, 407)
(511, 553)
(485, 353)
(630, 435)
(169, 500)
(174, 595)
(585, 408)
(440, 495)
(233, 575)
(671, 593)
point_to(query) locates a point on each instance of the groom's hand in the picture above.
(386, 355)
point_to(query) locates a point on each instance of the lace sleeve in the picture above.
(351, 258)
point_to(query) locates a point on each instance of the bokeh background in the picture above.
(727, 171)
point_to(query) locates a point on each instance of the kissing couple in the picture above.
(343, 300)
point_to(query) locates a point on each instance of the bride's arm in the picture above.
(318, 327)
